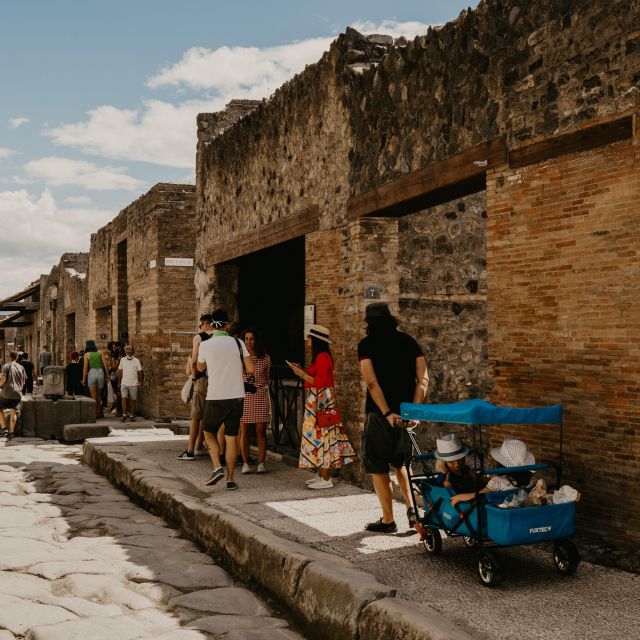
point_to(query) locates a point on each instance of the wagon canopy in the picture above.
(480, 412)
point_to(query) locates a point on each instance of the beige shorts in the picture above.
(197, 400)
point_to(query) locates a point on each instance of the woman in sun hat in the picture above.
(511, 453)
(323, 448)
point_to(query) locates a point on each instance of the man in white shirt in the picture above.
(130, 379)
(223, 358)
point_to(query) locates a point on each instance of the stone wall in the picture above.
(141, 303)
(371, 111)
(525, 68)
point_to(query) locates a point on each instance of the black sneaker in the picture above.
(216, 476)
(132, 419)
(124, 417)
(382, 527)
(187, 455)
(232, 486)
(412, 516)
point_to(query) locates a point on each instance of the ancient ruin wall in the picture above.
(523, 68)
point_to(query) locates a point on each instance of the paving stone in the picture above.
(262, 634)
(85, 608)
(157, 592)
(21, 585)
(95, 629)
(154, 620)
(14, 517)
(55, 570)
(181, 577)
(104, 590)
(18, 616)
(226, 623)
(179, 634)
(30, 552)
(231, 600)
(9, 500)
(6, 635)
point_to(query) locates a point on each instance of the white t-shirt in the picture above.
(224, 367)
(130, 368)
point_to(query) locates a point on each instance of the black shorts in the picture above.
(383, 445)
(9, 403)
(219, 412)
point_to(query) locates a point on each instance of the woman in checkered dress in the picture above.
(257, 406)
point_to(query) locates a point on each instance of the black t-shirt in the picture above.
(74, 378)
(28, 368)
(393, 356)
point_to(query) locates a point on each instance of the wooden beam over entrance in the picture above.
(293, 226)
(454, 177)
(585, 138)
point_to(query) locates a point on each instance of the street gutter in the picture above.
(326, 594)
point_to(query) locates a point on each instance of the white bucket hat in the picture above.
(513, 453)
(450, 448)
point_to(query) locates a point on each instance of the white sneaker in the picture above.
(321, 484)
(312, 480)
(246, 468)
(261, 468)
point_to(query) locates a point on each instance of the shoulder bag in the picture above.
(327, 414)
(249, 386)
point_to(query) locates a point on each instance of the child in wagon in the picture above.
(512, 453)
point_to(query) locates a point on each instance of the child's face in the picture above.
(455, 465)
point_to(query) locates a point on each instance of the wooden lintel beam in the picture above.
(293, 226)
(585, 138)
(453, 175)
(104, 302)
(28, 307)
(15, 323)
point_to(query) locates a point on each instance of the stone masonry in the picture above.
(467, 277)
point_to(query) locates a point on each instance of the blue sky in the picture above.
(99, 99)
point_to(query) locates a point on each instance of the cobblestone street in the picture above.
(79, 560)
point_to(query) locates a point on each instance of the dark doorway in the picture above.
(123, 294)
(271, 296)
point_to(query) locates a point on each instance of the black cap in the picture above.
(377, 310)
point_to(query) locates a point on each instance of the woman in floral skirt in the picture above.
(322, 448)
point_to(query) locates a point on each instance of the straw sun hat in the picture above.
(513, 453)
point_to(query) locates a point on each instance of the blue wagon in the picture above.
(480, 522)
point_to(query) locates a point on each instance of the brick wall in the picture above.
(564, 318)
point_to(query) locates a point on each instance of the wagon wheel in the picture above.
(432, 540)
(489, 572)
(565, 556)
(469, 542)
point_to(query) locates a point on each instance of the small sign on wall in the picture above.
(309, 317)
(372, 292)
(178, 262)
(152, 264)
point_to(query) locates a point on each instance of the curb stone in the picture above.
(327, 595)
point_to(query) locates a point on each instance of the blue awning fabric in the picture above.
(480, 412)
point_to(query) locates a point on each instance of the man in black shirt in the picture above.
(395, 370)
(28, 367)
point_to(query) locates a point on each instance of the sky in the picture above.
(99, 99)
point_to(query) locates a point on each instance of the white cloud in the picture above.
(36, 234)
(58, 172)
(79, 200)
(393, 28)
(6, 153)
(160, 132)
(14, 123)
(249, 71)
(163, 133)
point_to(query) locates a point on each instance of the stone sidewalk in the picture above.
(79, 560)
(534, 602)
